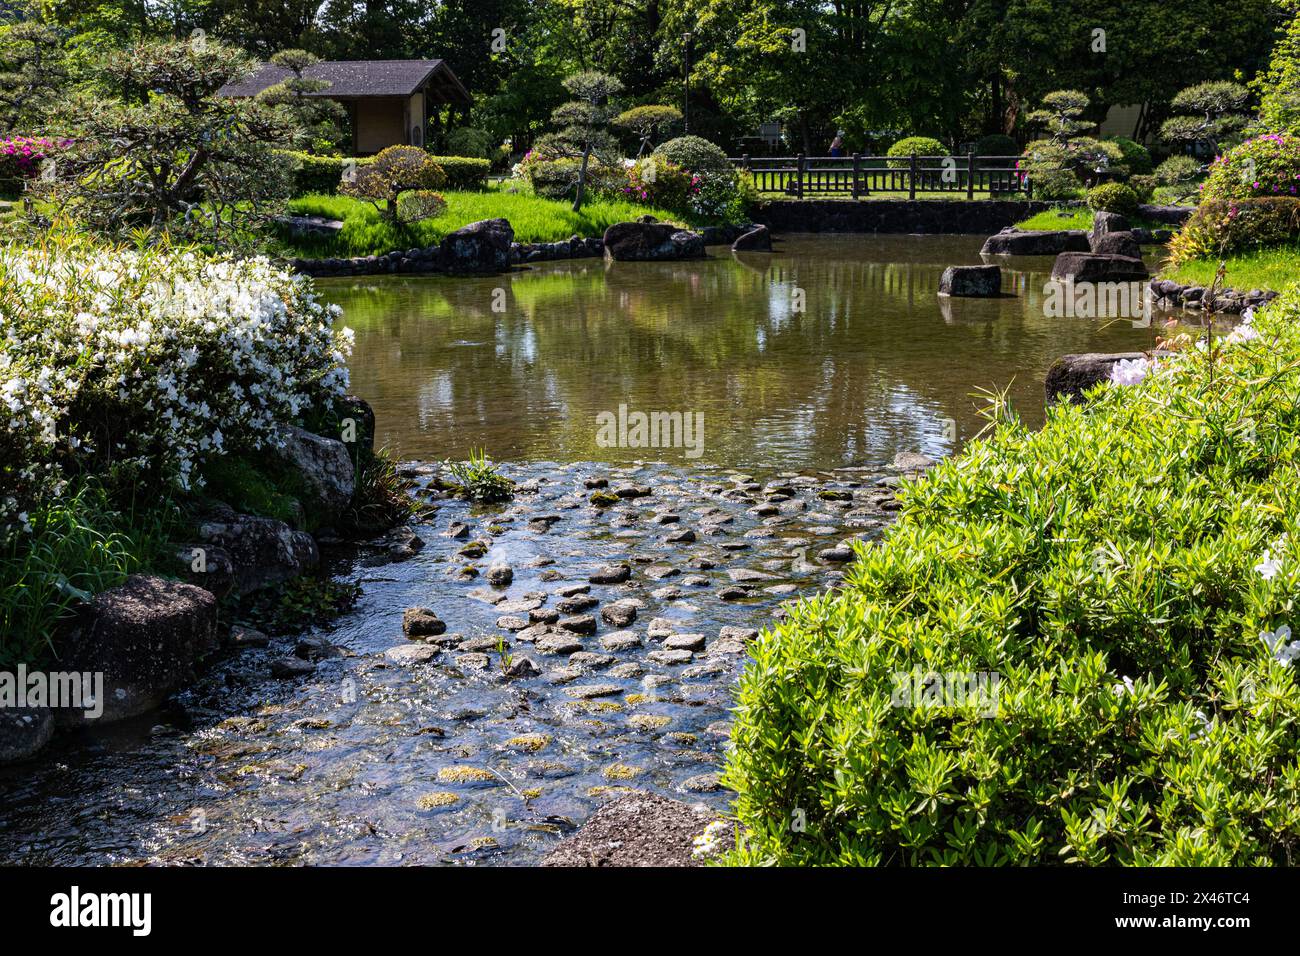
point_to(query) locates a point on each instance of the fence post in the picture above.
(799, 181)
(911, 179)
(857, 165)
(970, 175)
(744, 162)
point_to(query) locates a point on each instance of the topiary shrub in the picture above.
(921, 145)
(1055, 185)
(1268, 165)
(1223, 226)
(318, 174)
(468, 142)
(464, 172)
(1137, 158)
(1127, 572)
(1113, 197)
(395, 171)
(697, 155)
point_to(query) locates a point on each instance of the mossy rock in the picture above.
(437, 800)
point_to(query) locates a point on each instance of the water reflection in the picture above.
(832, 351)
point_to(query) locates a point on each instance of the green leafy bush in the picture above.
(1144, 186)
(479, 479)
(464, 172)
(1113, 197)
(1268, 165)
(921, 145)
(656, 181)
(469, 142)
(1055, 185)
(1129, 571)
(1223, 227)
(1137, 158)
(697, 155)
(317, 174)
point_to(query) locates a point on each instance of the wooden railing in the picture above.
(859, 175)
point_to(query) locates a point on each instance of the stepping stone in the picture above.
(661, 627)
(509, 623)
(575, 604)
(421, 622)
(684, 536)
(684, 642)
(409, 654)
(569, 590)
(611, 574)
(741, 575)
(838, 553)
(670, 657)
(628, 671)
(590, 660)
(579, 624)
(657, 572)
(618, 614)
(545, 615)
(620, 641)
(669, 593)
(592, 691)
(696, 581)
(733, 633)
(558, 644)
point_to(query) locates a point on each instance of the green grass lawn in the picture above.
(1076, 217)
(1275, 268)
(534, 220)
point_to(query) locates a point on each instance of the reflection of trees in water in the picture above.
(870, 365)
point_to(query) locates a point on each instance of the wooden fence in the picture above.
(859, 175)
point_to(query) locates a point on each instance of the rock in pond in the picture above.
(1023, 242)
(1120, 243)
(479, 247)
(1070, 375)
(758, 239)
(422, 622)
(971, 281)
(146, 637)
(23, 732)
(1098, 267)
(651, 241)
(639, 829)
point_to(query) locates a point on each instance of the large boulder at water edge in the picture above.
(1118, 244)
(145, 637)
(24, 731)
(263, 551)
(651, 241)
(1022, 242)
(479, 247)
(1098, 267)
(325, 477)
(1071, 375)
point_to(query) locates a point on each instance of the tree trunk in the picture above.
(803, 133)
(582, 178)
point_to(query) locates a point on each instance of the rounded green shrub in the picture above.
(697, 155)
(1055, 185)
(1137, 158)
(1114, 197)
(464, 172)
(1268, 165)
(468, 142)
(1117, 589)
(921, 145)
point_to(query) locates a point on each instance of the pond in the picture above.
(834, 351)
(811, 368)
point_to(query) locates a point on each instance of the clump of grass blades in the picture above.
(382, 497)
(79, 545)
(479, 479)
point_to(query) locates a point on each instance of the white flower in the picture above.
(1125, 686)
(1280, 645)
(709, 843)
(1268, 566)
(1129, 371)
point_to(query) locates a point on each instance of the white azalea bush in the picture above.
(143, 364)
(1130, 571)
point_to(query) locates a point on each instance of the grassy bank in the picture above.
(1076, 218)
(534, 219)
(1128, 572)
(1274, 268)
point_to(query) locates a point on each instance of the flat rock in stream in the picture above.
(639, 829)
